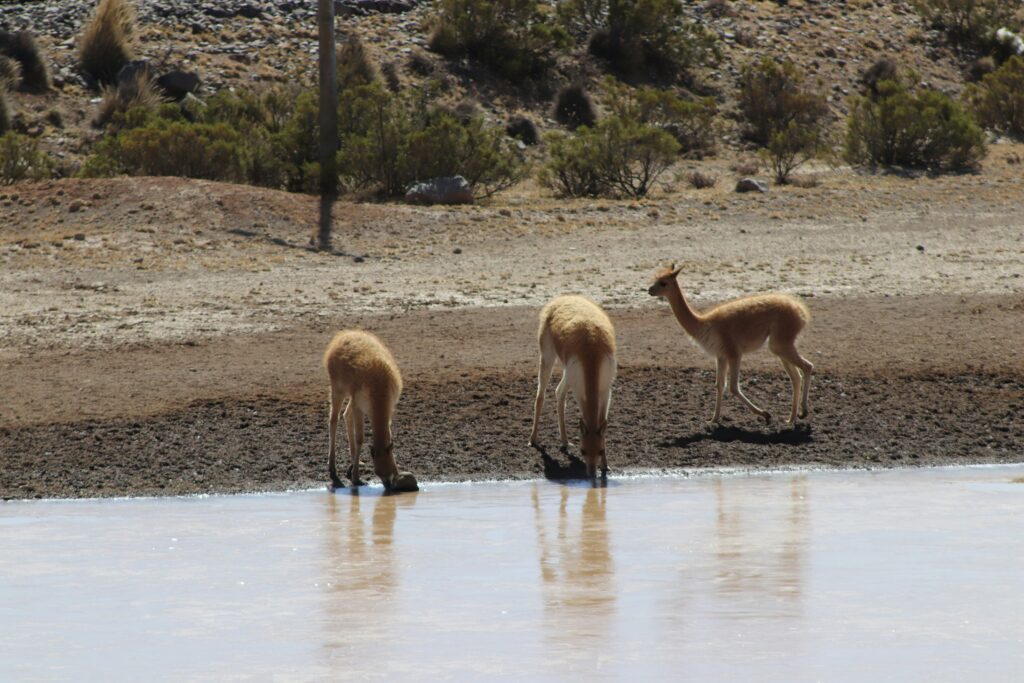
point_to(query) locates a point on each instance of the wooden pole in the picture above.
(328, 121)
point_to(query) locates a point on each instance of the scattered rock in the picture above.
(179, 84)
(406, 482)
(751, 185)
(453, 190)
(345, 8)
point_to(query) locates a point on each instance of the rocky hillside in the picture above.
(245, 43)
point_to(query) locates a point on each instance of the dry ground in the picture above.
(164, 335)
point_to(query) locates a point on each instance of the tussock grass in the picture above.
(10, 72)
(108, 42)
(138, 91)
(355, 65)
(22, 47)
(5, 110)
(574, 108)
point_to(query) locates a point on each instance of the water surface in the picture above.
(913, 575)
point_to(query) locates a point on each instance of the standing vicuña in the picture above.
(363, 372)
(577, 332)
(736, 327)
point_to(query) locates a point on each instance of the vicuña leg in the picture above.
(332, 468)
(561, 391)
(721, 369)
(354, 423)
(794, 376)
(734, 387)
(790, 355)
(547, 364)
(384, 465)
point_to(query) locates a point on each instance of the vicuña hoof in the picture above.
(767, 418)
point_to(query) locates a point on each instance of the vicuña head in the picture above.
(662, 279)
(577, 332)
(730, 330)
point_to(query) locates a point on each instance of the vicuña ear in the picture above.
(675, 271)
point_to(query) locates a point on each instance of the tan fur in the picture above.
(730, 330)
(578, 333)
(364, 375)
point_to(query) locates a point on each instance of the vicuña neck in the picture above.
(691, 321)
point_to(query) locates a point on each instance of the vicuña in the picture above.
(579, 334)
(364, 374)
(730, 330)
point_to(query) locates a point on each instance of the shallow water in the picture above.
(914, 575)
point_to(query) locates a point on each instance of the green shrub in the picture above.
(641, 37)
(390, 141)
(924, 129)
(788, 120)
(108, 42)
(22, 47)
(998, 101)
(691, 122)
(791, 147)
(21, 159)
(514, 37)
(967, 22)
(773, 95)
(615, 158)
(191, 150)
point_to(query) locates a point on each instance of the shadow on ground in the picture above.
(795, 436)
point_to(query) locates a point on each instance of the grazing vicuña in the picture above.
(364, 373)
(578, 333)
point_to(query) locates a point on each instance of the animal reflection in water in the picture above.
(760, 543)
(576, 568)
(359, 561)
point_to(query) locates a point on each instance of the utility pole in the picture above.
(328, 121)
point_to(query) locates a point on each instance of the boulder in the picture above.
(405, 482)
(751, 185)
(130, 71)
(179, 84)
(453, 190)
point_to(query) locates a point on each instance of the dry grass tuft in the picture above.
(746, 167)
(574, 108)
(108, 42)
(701, 181)
(804, 181)
(355, 65)
(138, 91)
(5, 110)
(10, 72)
(22, 47)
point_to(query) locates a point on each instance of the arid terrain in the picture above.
(163, 336)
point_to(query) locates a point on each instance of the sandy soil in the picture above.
(163, 336)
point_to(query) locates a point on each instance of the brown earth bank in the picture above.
(899, 382)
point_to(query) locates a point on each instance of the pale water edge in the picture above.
(895, 575)
(632, 474)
